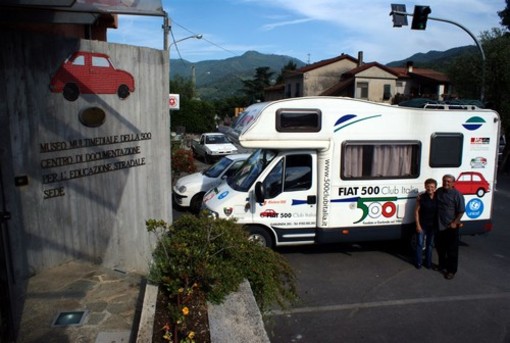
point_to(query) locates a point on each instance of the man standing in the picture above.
(450, 209)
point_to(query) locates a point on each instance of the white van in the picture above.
(340, 169)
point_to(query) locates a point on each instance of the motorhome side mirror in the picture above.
(259, 192)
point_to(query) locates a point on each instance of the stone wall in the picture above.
(81, 176)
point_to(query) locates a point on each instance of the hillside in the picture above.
(222, 78)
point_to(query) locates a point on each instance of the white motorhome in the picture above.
(339, 169)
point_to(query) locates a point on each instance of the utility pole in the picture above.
(193, 81)
(166, 30)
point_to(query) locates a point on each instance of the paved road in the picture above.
(372, 293)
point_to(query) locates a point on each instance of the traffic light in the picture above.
(420, 16)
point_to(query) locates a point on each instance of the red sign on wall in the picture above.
(173, 101)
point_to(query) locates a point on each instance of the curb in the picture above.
(237, 319)
(146, 323)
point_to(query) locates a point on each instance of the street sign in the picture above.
(399, 17)
(173, 101)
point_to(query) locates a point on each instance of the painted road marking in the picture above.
(402, 302)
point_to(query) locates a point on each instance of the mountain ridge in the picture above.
(215, 78)
(440, 59)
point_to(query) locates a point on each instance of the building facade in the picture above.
(352, 77)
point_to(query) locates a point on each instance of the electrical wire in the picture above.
(177, 48)
(203, 38)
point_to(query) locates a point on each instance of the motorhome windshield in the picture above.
(250, 170)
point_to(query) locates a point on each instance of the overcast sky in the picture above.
(310, 30)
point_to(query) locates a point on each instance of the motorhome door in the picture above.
(290, 193)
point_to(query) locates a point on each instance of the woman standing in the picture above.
(426, 223)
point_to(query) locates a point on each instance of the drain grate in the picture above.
(70, 318)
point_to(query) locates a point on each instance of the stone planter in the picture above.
(237, 319)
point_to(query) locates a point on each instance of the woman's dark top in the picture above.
(428, 212)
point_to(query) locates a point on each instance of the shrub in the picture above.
(182, 161)
(215, 256)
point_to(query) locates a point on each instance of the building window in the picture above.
(381, 159)
(298, 90)
(288, 91)
(387, 92)
(362, 90)
(440, 156)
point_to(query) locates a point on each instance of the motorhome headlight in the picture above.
(181, 189)
(228, 211)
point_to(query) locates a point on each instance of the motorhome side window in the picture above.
(292, 173)
(446, 149)
(371, 160)
(295, 120)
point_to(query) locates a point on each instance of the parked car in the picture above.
(189, 190)
(87, 72)
(472, 183)
(211, 146)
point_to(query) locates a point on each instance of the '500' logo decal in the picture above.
(375, 209)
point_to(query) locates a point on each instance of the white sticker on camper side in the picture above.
(326, 184)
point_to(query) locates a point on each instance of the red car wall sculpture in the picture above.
(91, 73)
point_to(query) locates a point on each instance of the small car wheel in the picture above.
(196, 203)
(260, 236)
(123, 91)
(480, 192)
(71, 91)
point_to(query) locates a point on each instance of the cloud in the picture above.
(269, 27)
(366, 25)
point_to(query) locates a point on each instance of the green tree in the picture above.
(226, 107)
(194, 115)
(182, 86)
(497, 49)
(254, 88)
(290, 66)
(465, 73)
(505, 15)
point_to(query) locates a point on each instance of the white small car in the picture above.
(189, 190)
